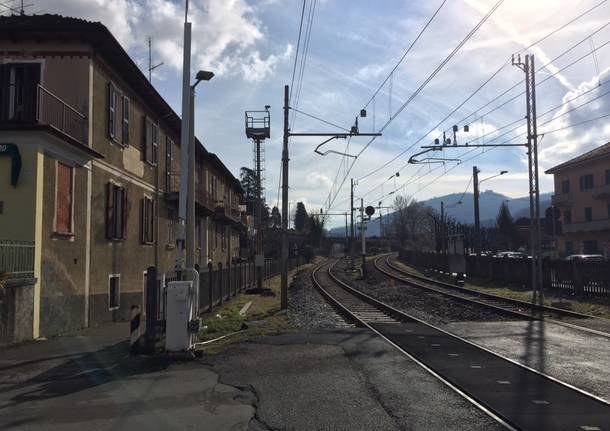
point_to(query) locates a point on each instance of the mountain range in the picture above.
(489, 204)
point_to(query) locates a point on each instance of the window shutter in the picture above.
(124, 215)
(143, 221)
(109, 211)
(111, 110)
(125, 122)
(155, 143)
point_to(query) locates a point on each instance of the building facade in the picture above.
(89, 173)
(582, 194)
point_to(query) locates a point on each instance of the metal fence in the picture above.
(568, 277)
(17, 258)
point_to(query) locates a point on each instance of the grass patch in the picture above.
(262, 317)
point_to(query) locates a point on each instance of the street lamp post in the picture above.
(190, 203)
(477, 224)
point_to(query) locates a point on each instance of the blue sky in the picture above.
(251, 45)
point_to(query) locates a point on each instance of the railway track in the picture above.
(518, 397)
(502, 305)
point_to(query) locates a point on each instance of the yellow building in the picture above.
(95, 192)
(582, 193)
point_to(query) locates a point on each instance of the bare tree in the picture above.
(410, 222)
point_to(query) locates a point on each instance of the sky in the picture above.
(353, 46)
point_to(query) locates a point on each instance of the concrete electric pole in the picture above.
(477, 222)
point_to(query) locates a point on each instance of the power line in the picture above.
(501, 94)
(514, 98)
(426, 82)
(296, 55)
(421, 32)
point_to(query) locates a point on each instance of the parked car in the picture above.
(512, 254)
(586, 257)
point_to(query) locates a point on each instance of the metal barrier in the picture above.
(17, 258)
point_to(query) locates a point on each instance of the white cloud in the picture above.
(226, 34)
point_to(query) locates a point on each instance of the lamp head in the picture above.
(503, 172)
(204, 75)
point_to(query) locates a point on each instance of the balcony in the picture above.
(602, 192)
(563, 200)
(588, 226)
(202, 197)
(40, 107)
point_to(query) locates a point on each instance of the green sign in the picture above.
(13, 151)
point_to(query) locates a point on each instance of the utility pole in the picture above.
(532, 158)
(346, 235)
(363, 238)
(284, 265)
(477, 222)
(351, 211)
(443, 250)
(258, 222)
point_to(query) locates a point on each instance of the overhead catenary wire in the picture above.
(520, 94)
(478, 89)
(425, 83)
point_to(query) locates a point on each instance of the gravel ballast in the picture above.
(429, 307)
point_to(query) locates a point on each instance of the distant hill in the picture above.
(489, 203)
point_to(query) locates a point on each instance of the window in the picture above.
(169, 163)
(607, 176)
(114, 291)
(216, 235)
(590, 247)
(150, 144)
(586, 182)
(116, 211)
(171, 223)
(18, 85)
(112, 110)
(148, 220)
(569, 247)
(567, 217)
(565, 186)
(588, 214)
(64, 199)
(125, 123)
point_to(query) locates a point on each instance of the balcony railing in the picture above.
(39, 106)
(587, 226)
(202, 196)
(54, 112)
(563, 200)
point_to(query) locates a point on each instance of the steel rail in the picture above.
(475, 349)
(490, 296)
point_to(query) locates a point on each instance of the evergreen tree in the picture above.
(315, 228)
(247, 178)
(276, 218)
(300, 217)
(507, 231)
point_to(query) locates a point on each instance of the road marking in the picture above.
(540, 402)
(454, 354)
(475, 366)
(504, 382)
(590, 428)
(435, 345)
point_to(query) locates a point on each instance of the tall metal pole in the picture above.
(443, 227)
(259, 259)
(190, 204)
(532, 158)
(184, 141)
(346, 235)
(477, 222)
(284, 277)
(351, 211)
(363, 238)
